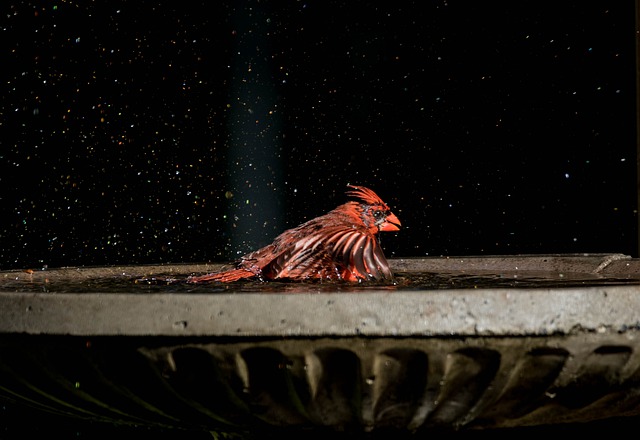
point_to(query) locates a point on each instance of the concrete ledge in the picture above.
(401, 310)
(505, 312)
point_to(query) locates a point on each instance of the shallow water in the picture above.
(172, 283)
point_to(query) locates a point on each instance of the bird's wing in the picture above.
(335, 252)
(361, 255)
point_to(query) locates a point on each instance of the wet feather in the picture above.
(340, 245)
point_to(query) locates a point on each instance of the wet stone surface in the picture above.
(173, 279)
(170, 283)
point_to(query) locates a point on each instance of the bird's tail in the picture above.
(223, 277)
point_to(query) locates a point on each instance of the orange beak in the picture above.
(391, 224)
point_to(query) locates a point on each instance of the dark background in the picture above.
(167, 132)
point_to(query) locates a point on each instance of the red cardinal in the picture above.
(340, 245)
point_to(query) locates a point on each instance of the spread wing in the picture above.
(338, 252)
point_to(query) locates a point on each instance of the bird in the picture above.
(342, 244)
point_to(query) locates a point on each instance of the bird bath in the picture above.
(465, 343)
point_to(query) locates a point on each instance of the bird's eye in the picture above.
(378, 214)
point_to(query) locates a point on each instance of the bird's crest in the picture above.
(365, 194)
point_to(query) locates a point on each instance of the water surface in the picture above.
(170, 282)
